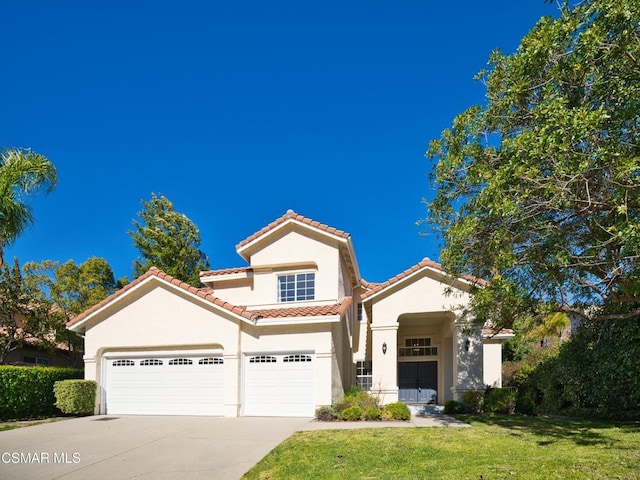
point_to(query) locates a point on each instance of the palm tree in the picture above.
(22, 173)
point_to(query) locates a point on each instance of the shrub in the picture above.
(473, 401)
(372, 413)
(595, 374)
(452, 407)
(499, 400)
(352, 413)
(77, 397)
(398, 411)
(327, 414)
(27, 392)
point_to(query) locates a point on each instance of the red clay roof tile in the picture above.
(205, 293)
(291, 215)
(375, 288)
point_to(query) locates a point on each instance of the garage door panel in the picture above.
(165, 385)
(279, 385)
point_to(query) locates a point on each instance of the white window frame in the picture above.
(299, 293)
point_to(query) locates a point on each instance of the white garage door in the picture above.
(165, 385)
(279, 385)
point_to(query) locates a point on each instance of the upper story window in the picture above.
(296, 287)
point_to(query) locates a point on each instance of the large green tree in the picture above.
(168, 240)
(22, 173)
(538, 190)
(26, 317)
(70, 289)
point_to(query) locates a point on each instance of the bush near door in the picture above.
(360, 405)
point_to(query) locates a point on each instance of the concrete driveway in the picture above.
(142, 447)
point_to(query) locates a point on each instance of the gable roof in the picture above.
(293, 218)
(206, 294)
(425, 263)
(287, 217)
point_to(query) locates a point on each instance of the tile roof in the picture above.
(206, 294)
(308, 311)
(375, 288)
(291, 215)
(225, 271)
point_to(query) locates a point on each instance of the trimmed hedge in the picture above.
(27, 392)
(398, 411)
(76, 397)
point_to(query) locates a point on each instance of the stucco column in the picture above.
(384, 353)
(467, 361)
(231, 386)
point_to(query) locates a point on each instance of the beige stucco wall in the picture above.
(290, 247)
(157, 317)
(492, 352)
(428, 309)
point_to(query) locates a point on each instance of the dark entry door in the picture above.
(418, 382)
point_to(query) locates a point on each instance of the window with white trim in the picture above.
(181, 361)
(296, 287)
(150, 361)
(297, 358)
(211, 361)
(263, 359)
(360, 312)
(364, 375)
(417, 347)
(123, 363)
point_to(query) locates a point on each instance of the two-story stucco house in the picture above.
(284, 335)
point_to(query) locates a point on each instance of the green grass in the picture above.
(496, 447)
(12, 424)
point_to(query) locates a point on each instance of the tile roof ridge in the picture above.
(292, 215)
(425, 262)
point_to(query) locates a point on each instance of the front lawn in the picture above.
(496, 447)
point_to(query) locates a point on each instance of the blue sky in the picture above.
(238, 111)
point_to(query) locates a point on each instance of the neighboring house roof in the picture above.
(206, 294)
(293, 218)
(502, 334)
(426, 263)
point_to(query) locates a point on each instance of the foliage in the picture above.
(25, 317)
(72, 289)
(22, 174)
(372, 413)
(77, 397)
(358, 404)
(398, 411)
(473, 401)
(326, 414)
(596, 374)
(451, 407)
(496, 447)
(167, 240)
(27, 392)
(352, 413)
(538, 191)
(500, 400)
